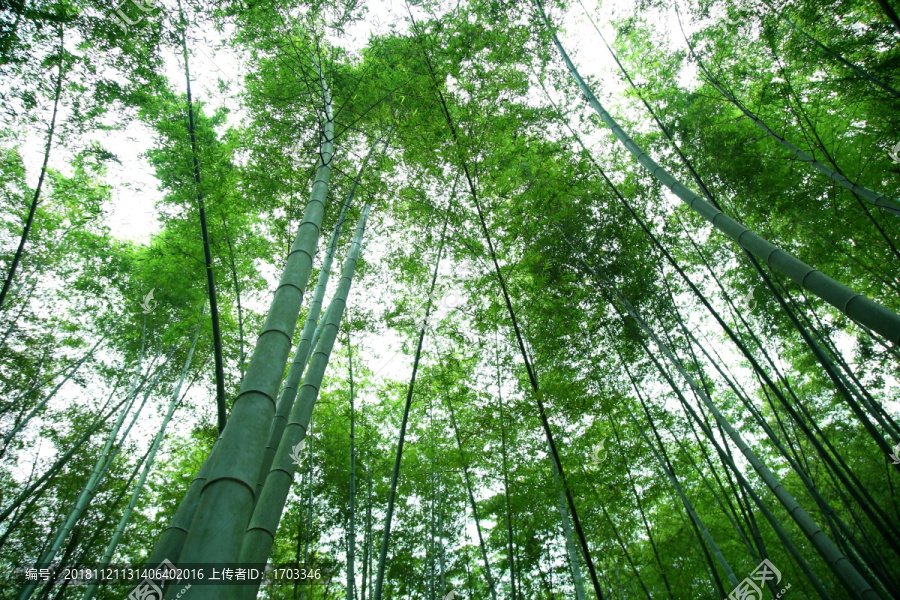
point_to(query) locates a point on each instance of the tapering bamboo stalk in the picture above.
(148, 465)
(880, 200)
(101, 466)
(260, 533)
(221, 410)
(227, 497)
(351, 505)
(73, 369)
(474, 506)
(309, 337)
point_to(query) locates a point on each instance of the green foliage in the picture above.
(566, 246)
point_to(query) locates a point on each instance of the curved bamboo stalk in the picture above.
(855, 68)
(855, 306)
(879, 200)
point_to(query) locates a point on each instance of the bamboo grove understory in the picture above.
(551, 299)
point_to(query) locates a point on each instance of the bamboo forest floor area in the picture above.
(449, 300)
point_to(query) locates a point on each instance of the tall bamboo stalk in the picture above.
(101, 465)
(509, 527)
(308, 337)
(73, 369)
(532, 377)
(856, 68)
(474, 506)
(148, 465)
(880, 200)
(395, 474)
(575, 567)
(227, 497)
(260, 535)
(31, 491)
(855, 306)
(221, 409)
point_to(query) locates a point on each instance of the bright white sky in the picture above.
(133, 214)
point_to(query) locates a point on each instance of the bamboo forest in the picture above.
(449, 299)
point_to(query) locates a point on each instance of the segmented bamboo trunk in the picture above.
(204, 236)
(227, 497)
(260, 533)
(882, 524)
(308, 337)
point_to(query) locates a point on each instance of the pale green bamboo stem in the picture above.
(42, 403)
(260, 535)
(139, 486)
(308, 336)
(227, 498)
(102, 464)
